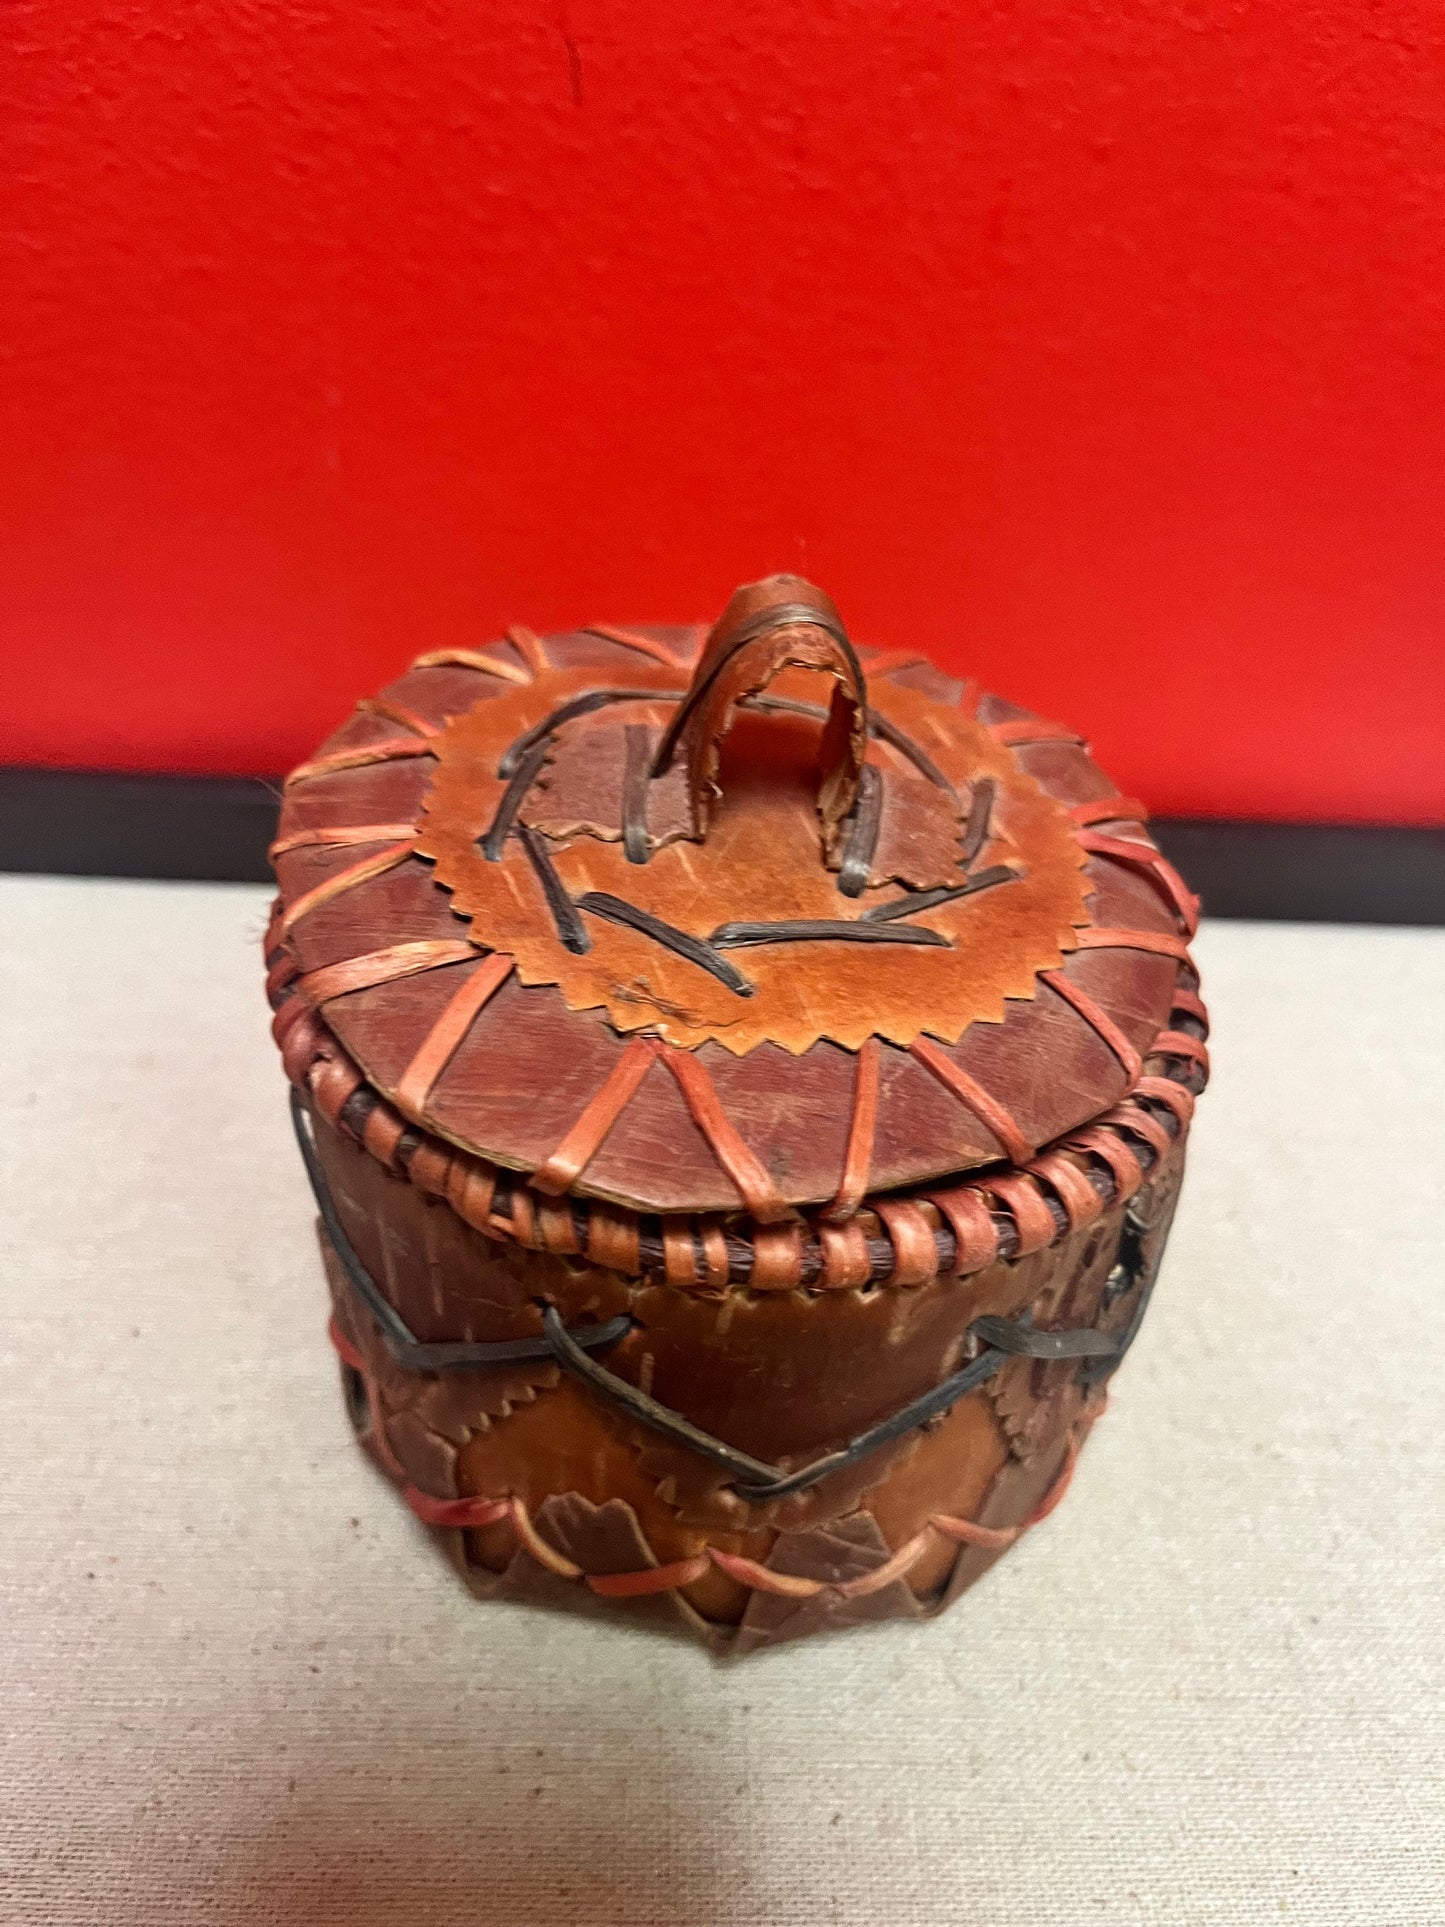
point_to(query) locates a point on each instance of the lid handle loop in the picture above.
(780, 623)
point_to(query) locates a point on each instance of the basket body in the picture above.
(725, 1292)
(616, 1503)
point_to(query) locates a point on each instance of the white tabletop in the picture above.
(240, 1685)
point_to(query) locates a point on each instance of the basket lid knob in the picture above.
(779, 623)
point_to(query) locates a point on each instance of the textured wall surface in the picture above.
(1094, 345)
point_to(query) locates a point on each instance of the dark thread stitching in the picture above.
(980, 816)
(1020, 1340)
(949, 893)
(862, 833)
(636, 842)
(523, 778)
(570, 928)
(738, 936)
(643, 1406)
(568, 712)
(921, 760)
(759, 1482)
(602, 904)
(396, 1334)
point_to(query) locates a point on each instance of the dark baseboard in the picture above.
(94, 823)
(1309, 872)
(216, 828)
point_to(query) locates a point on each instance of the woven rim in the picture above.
(901, 1239)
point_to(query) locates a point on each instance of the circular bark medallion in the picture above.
(736, 897)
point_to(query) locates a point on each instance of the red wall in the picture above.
(1094, 344)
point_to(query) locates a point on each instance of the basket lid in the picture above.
(730, 919)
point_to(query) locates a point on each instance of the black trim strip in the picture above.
(215, 829)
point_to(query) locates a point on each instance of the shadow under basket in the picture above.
(745, 1084)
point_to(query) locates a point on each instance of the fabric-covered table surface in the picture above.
(239, 1684)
